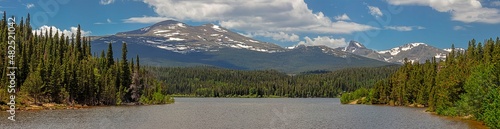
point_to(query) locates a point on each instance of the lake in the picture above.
(251, 113)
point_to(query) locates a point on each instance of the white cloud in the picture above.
(69, 32)
(108, 21)
(30, 5)
(399, 28)
(324, 41)
(342, 17)
(375, 11)
(249, 16)
(146, 19)
(461, 10)
(420, 27)
(278, 36)
(495, 3)
(339, 27)
(106, 2)
(404, 28)
(459, 28)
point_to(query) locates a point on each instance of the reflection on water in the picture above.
(250, 113)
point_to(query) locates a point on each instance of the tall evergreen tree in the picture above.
(125, 75)
(79, 43)
(138, 65)
(109, 55)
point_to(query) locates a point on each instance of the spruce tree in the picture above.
(109, 55)
(125, 76)
(138, 66)
(79, 43)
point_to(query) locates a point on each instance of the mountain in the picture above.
(182, 38)
(414, 52)
(357, 48)
(173, 43)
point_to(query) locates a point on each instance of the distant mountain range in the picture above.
(173, 43)
(414, 52)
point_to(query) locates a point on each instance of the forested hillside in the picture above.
(58, 68)
(216, 82)
(466, 84)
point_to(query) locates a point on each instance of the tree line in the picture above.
(58, 68)
(217, 82)
(467, 84)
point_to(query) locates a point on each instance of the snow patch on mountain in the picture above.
(357, 44)
(175, 39)
(253, 41)
(241, 45)
(145, 29)
(388, 59)
(218, 29)
(161, 31)
(440, 55)
(168, 34)
(411, 45)
(183, 49)
(397, 50)
(456, 49)
(393, 51)
(153, 42)
(181, 25)
(292, 47)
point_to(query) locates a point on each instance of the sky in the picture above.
(378, 24)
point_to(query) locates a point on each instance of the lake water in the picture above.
(222, 113)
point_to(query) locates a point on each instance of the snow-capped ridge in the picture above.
(406, 47)
(415, 52)
(456, 49)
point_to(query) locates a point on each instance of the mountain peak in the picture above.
(167, 22)
(162, 24)
(355, 44)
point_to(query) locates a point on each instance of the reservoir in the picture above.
(249, 113)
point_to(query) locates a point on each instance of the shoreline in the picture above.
(474, 124)
(45, 106)
(54, 106)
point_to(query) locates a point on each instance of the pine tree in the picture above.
(479, 52)
(138, 66)
(125, 76)
(33, 83)
(488, 50)
(79, 43)
(109, 56)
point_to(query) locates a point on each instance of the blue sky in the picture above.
(379, 24)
